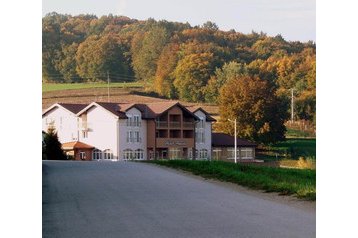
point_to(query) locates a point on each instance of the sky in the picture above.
(293, 19)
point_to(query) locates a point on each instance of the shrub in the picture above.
(53, 149)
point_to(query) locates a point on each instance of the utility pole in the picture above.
(291, 105)
(235, 142)
(108, 86)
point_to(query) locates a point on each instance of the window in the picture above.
(107, 154)
(190, 153)
(97, 154)
(128, 136)
(131, 136)
(217, 153)
(127, 155)
(201, 123)
(129, 120)
(136, 120)
(174, 153)
(85, 134)
(137, 136)
(200, 136)
(203, 154)
(138, 154)
(246, 153)
(82, 155)
(231, 153)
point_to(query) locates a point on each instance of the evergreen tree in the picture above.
(53, 149)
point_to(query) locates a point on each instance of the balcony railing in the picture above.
(175, 124)
(188, 124)
(162, 124)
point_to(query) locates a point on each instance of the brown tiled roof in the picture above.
(193, 109)
(76, 145)
(225, 140)
(113, 108)
(75, 108)
(160, 107)
(153, 110)
(148, 110)
(125, 106)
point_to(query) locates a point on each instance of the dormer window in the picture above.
(133, 120)
(129, 120)
(201, 123)
(136, 120)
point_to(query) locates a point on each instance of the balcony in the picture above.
(188, 125)
(162, 124)
(175, 124)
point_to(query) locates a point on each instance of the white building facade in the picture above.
(131, 131)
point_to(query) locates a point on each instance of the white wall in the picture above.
(65, 123)
(102, 130)
(207, 134)
(123, 128)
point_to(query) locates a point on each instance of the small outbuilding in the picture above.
(77, 150)
(223, 148)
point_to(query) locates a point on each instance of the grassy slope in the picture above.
(48, 87)
(298, 182)
(292, 148)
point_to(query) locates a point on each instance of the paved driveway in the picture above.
(125, 199)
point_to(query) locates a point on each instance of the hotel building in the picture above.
(124, 131)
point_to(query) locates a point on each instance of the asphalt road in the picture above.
(126, 199)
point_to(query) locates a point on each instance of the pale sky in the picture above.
(293, 19)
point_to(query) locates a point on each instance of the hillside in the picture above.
(117, 94)
(251, 77)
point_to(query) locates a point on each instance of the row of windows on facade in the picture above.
(176, 153)
(133, 136)
(133, 120)
(243, 153)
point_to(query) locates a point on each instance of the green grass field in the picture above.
(294, 133)
(298, 182)
(297, 147)
(48, 87)
(292, 148)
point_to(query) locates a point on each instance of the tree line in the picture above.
(180, 61)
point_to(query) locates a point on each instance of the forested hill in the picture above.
(175, 60)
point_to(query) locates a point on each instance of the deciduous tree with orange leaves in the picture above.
(259, 111)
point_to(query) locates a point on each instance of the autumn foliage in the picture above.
(180, 61)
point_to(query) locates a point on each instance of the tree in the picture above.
(192, 74)
(163, 82)
(67, 66)
(51, 46)
(146, 49)
(53, 149)
(210, 26)
(228, 71)
(259, 112)
(98, 55)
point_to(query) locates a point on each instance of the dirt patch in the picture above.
(119, 95)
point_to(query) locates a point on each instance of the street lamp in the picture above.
(234, 121)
